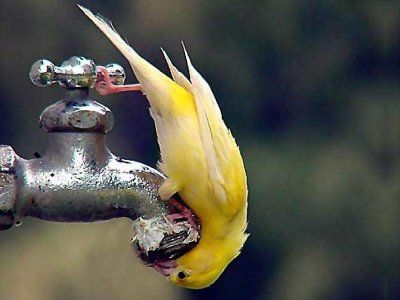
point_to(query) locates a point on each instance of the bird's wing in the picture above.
(178, 77)
(225, 164)
(226, 173)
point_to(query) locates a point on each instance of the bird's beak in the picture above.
(165, 267)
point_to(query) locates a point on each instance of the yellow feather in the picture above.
(226, 170)
(178, 77)
(200, 158)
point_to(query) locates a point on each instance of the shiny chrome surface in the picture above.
(117, 73)
(42, 73)
(71, 115)
(76, 72)
(79, 180)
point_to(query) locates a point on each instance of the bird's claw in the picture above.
(183, 213)
(105, 86)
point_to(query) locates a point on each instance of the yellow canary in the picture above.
(200, 158)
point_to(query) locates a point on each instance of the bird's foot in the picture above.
(183, 212)
(105, 86)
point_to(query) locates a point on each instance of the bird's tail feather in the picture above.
(155, 84)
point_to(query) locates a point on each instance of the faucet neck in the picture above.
(78, 149)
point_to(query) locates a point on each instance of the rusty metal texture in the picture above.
(8, 186)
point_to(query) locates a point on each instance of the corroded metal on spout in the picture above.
(8, 187)
(78, 179)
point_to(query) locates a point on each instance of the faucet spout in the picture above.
(79, 180)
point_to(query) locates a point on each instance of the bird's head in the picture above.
(192, 265)
(197, 269)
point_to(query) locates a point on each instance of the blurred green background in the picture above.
(311, 92)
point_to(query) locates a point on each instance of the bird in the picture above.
(199, 157)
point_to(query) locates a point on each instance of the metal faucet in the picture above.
(78, 179)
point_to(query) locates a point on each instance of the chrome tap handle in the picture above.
(75, 73)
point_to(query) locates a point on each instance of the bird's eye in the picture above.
(182, 275)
